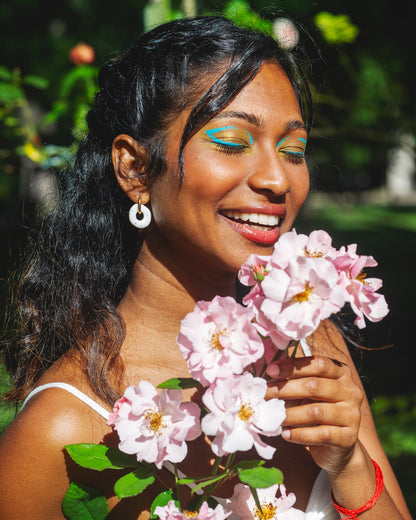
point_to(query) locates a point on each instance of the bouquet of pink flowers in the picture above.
(227, 347)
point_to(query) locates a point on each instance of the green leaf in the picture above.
(179, 383)
(100, 457)
(261, 477)
(248, 464)
(206, 483)
(5, 73)
(36, 81)
(188, 480)
(84, 503)
(133, 483)
(10, 92)
(161, 500)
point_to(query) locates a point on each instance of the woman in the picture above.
(206, 124)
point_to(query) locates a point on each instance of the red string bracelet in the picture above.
(351, 513)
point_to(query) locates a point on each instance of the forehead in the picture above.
(269, 99)
(269, 96)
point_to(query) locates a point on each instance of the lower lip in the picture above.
(255, 235)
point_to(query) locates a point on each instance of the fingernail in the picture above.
(286, 434)
(273, 370)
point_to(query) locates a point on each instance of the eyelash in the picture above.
(294, 158)
(291, 157)
(231, 149)
(238, 149)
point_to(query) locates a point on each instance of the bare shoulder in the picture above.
(34, 467)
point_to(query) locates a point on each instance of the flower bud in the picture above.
(286, 33)
(82, 54)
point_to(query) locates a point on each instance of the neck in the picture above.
(157, 298)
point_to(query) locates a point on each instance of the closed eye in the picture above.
(293, 149)
(230, 139)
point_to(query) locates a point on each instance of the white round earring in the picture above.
(139, 215)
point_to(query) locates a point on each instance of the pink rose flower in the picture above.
(116, 408)
(243, 506)
(239, 414)
(155, 428)
(290, 245)
(299, 297)
(360, 291)
(218, 339)
(171, 512)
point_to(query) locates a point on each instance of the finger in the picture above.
(315, 414)
(320, 366)
(324, 435)
(314, 388)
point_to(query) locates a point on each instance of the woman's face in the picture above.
(245, 179)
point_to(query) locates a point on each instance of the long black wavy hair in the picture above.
(82, 254)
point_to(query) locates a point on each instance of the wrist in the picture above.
(355, 484)
(351, 514)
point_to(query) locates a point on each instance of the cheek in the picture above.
(208, 178)
(300, 187)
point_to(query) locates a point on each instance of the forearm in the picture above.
(356, 486)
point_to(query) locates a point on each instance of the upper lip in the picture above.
(253, 210)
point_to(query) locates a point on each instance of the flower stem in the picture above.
(230, 461)
(295, 349)
(216, 465)
(177, 485)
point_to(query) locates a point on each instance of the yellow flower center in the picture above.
(215, 339)
(304, 295)
(313, 254)
(155, 421)
(191, 514)
(361, 277)
(267, 512)
(245, 412)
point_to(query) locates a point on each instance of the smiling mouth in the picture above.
(256, 220)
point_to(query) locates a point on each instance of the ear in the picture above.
(129, 162)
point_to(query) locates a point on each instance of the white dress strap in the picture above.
(320, 506)
(74, 391)
(305, 347)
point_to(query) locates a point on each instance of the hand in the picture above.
(322, 405)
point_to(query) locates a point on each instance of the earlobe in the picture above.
(129, 161)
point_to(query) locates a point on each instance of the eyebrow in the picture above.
(258, 121)
(250, 118)
(296, 125)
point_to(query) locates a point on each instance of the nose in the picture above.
(270, 175)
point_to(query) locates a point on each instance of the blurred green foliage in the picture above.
(22, 131)
(395, 418)
(336, 29)
(361, 72)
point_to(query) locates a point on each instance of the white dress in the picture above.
(319, 505)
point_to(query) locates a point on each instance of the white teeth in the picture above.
(254, 218)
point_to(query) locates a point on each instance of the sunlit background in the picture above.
(361, 152)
